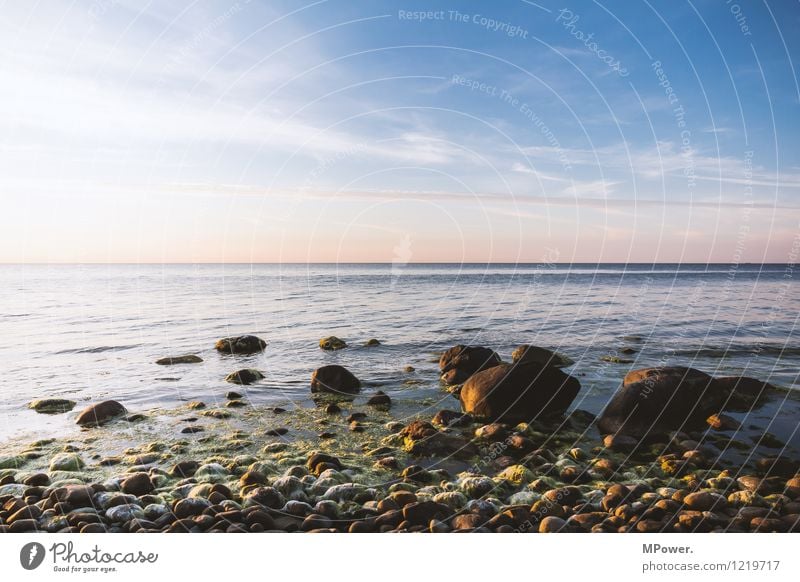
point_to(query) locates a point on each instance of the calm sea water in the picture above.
(90, 332)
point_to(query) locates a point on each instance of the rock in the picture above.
(315, 521)
(245, 376)
(196, 405)
(243, 344)
(124, 513)
(743, 394)
(332, 408)
(331, 343)
(723, 422)
(280, 431)
(74, 495)
(450, 418)
(137, 484)
(11, 461)
(52, 405)
(379, 399)
(218, 413)
(551, 524)
(100, 413)
(67, 462)
(187, 359)
(533, 354)
(190, 507)
(615, 360)
(184, 469)
(620, 443)
(460, 362)
(518, 392)
(660, 399)
(495, 431)
(268, 497)
(192, 429)
(372, 343)
(335, 379)
(316, 458)
(422, 512)
(421, 438)
(705, 501)
(466, 521)
(231, 395)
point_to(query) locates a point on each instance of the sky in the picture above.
(371, 131)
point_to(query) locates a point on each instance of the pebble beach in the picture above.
(504, 450)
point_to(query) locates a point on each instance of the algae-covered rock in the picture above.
(52, 405)
(67, 462)
(542, 356)
(244, 376)
(332, 343)
(173, 360)
(243, 344)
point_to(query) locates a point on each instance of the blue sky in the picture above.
(366, 131)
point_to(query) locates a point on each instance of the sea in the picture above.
(93, 332)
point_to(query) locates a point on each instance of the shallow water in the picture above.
(90, 332)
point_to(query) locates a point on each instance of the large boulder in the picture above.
(518, 392)
(335, 379)
(743, 394)
(460, 362)
(663, 399)
(526, 354)
(100, 413)
(243, 344)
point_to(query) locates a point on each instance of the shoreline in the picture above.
(344, 464)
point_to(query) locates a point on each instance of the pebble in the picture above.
(551, 524)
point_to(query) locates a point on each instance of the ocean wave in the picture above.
(99, 349)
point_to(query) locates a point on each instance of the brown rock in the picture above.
(335, 379)
(519, 392)
(460, 362)
(243, 344)
(665, 398)
(551, 524)
(137, 484)
(705, 501)
(723, 422)
(542, 356)
(100, 413)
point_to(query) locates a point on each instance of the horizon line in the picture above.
(410, 263)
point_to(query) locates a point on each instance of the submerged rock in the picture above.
(372, 343)
(460, 362)
(331, 343)
(244, 377)
(661, 399)
(533, 354)
(172, 360)
(243, 344)
(100, 413)
(518, 392)
(335, 379)
(52, 405)
(380, 399)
